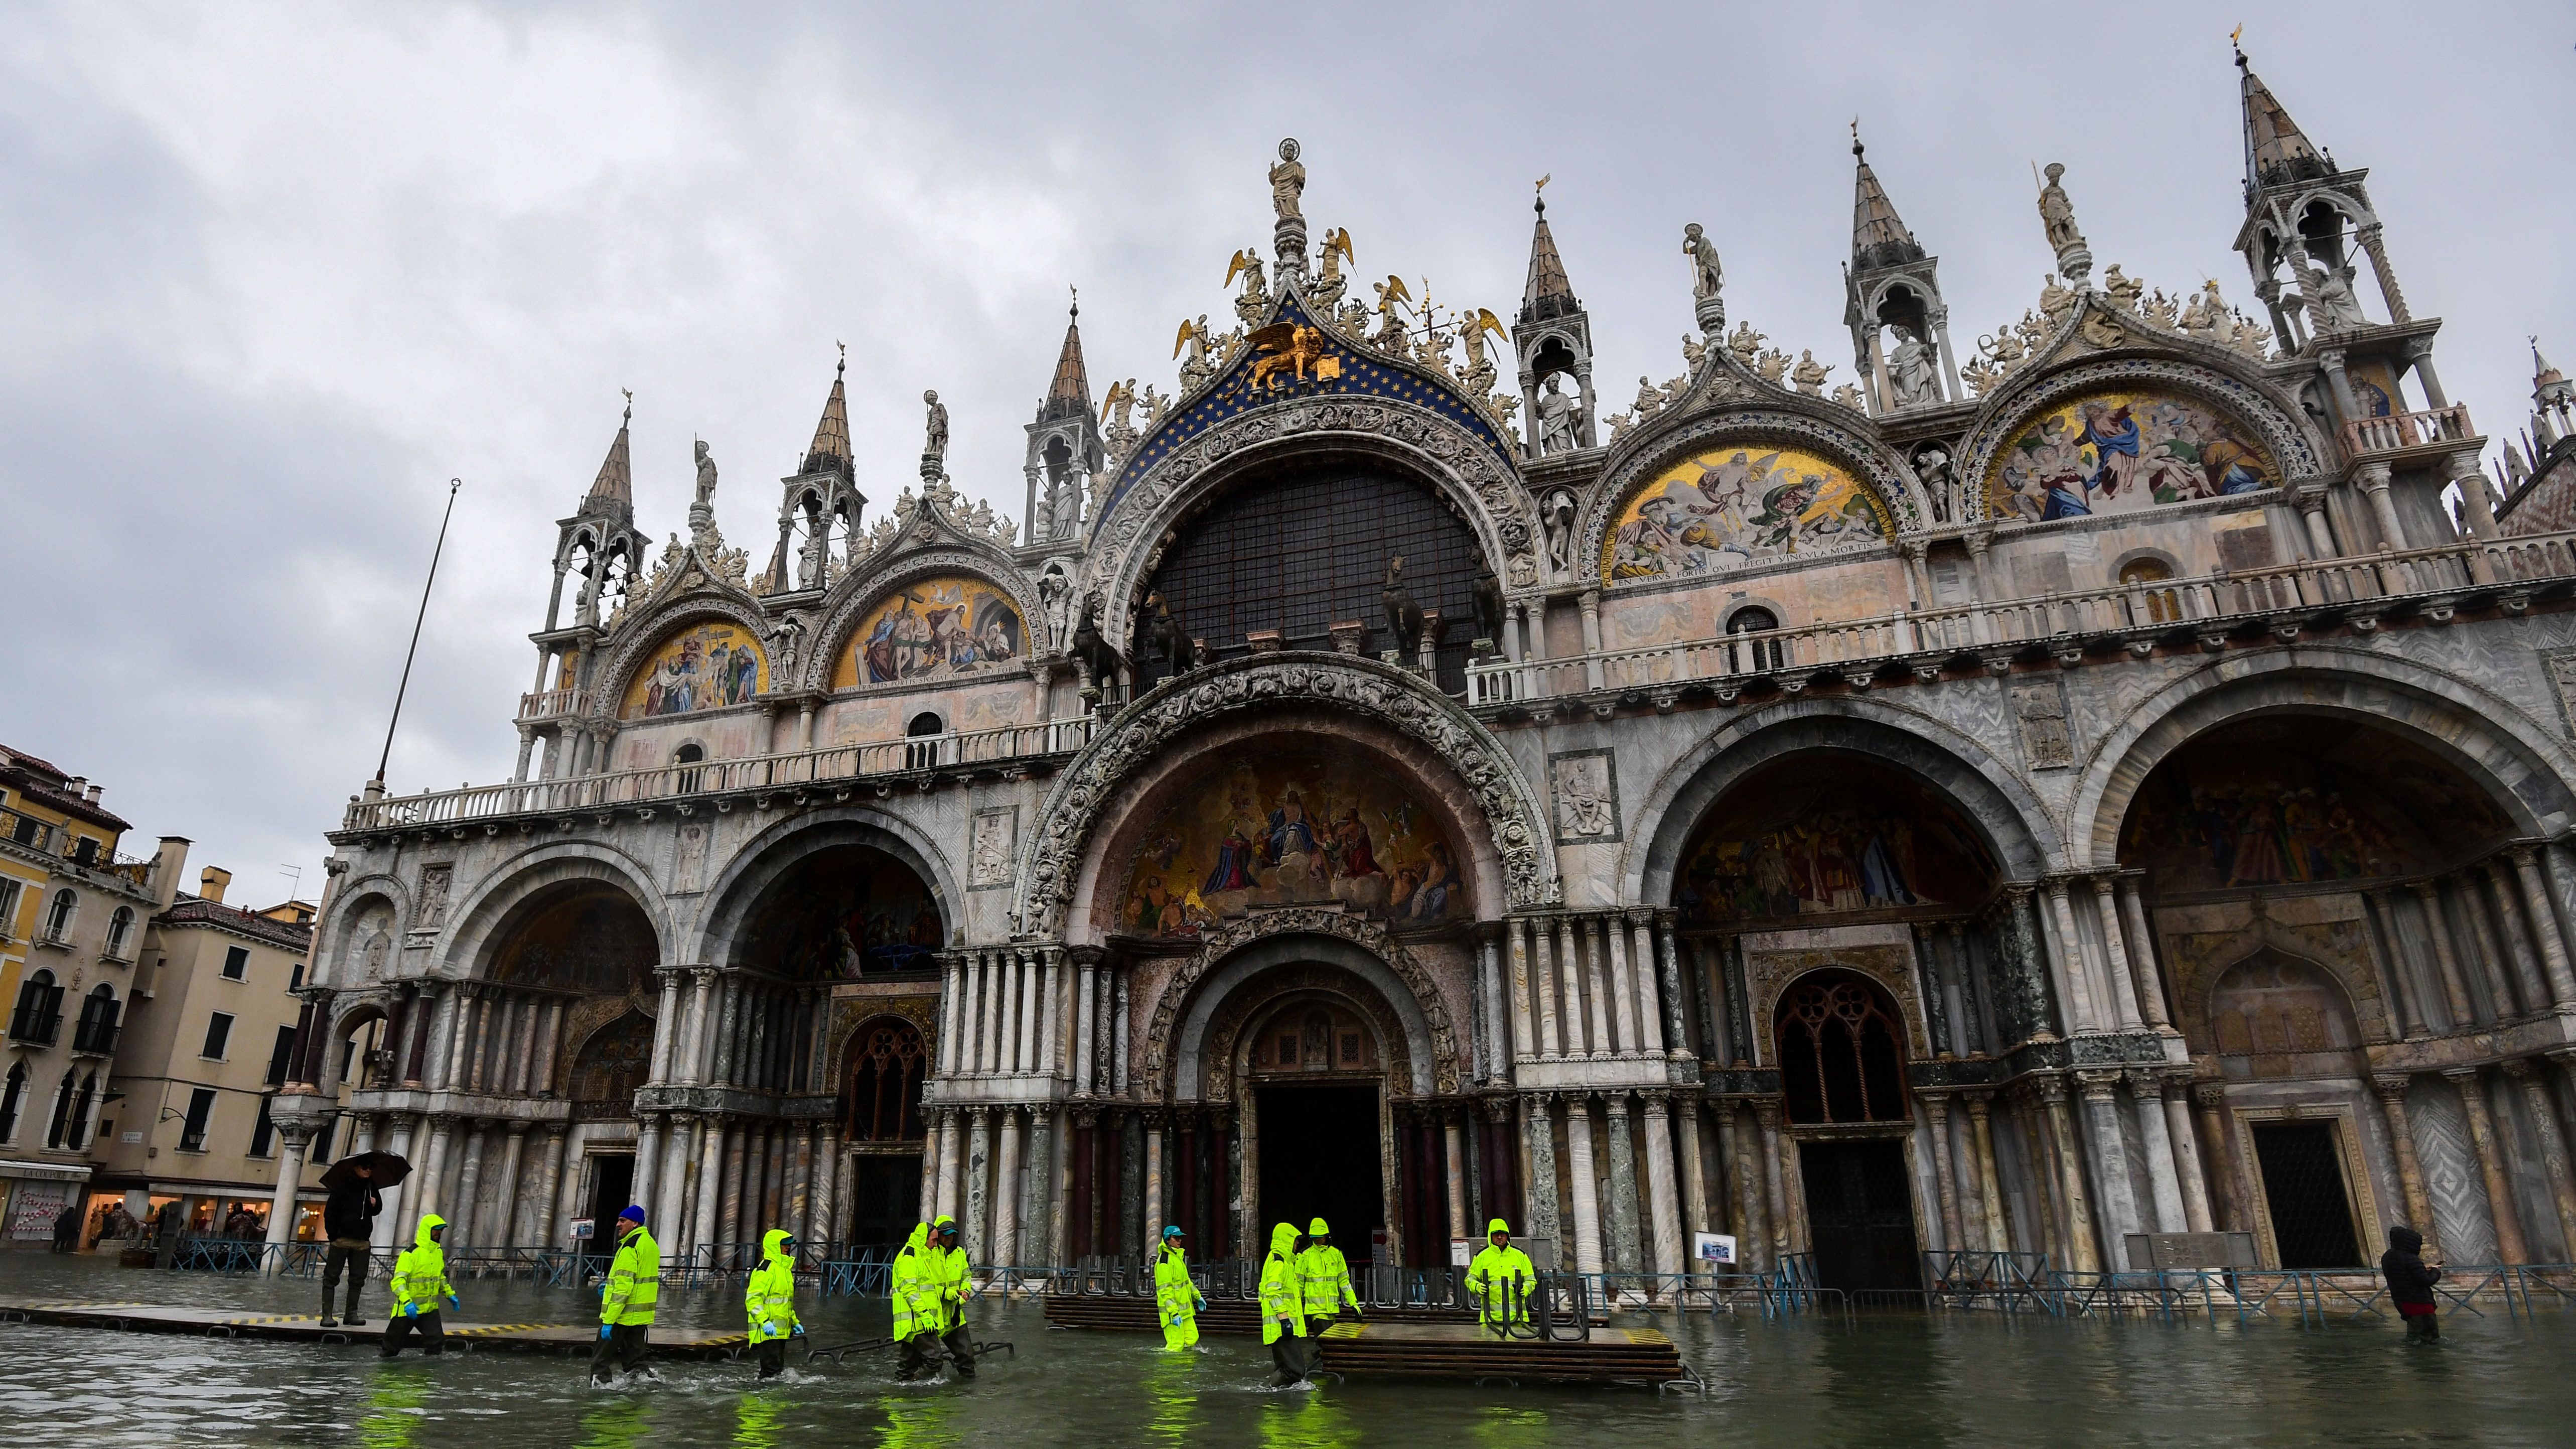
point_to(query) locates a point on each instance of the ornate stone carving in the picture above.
(1391, 696)
(2039, 706)
(1586, 787)
(1370, 936)
(991, 843)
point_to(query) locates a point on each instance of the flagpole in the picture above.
(403, 688)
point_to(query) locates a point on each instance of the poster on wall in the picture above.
(1716, 1250)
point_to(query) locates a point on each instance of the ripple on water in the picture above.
(1888, 1381)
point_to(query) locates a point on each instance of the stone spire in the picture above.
(1548, 293)
(1879, 239)
(1070, 392)
(831, 450)
(2276, 150)
(616, 480)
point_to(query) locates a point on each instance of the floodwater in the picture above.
(1889, 1380)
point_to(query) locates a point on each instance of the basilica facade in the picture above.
(2105, 776)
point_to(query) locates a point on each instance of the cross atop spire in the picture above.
(2276, 150)
(1070, 392)
(1548, 293)
(1879, 239)
(831, 450)
(616, 480)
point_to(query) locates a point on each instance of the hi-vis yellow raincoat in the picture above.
(1176, 1298)
(1491, 1276)
(1324, 1275)
(951, 1279)
(916, 1303)
(634, 1281)
(420, 1274)
(1282, 1289)
(769, 1299)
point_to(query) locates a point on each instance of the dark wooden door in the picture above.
(1860, 1214)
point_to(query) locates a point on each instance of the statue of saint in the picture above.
(935, 443)
(1707, 277)
(1910, 372)
(1555, 418)
(706, 475)
(2056, 213)
(1287, 180)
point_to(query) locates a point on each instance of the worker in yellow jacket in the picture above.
(1177, 1300)
(769, 1301)
(420, 1281)
(626, 1302)
(1283, 1308)
(1501, 1280)
(1324, 1277)
(932, 1284)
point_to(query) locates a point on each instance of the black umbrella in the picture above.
(384, 1167)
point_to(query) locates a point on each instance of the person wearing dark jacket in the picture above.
(2410, 1284)
(349, 1221)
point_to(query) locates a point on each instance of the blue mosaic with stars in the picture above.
(1363, 374)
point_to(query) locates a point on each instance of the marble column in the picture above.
(952, 1012)
(2488, 944)
(505, 1207)
(2455, 990)
(1524, 1032)
(2227, 1198)
(1668, 973)
(666, 1025)
(709, 1181)
(2070, 1172)
(1990, 1187)
(1623, 1235)
(1086, 1011)
(2124, 987)
(393, 1219)
(1766, 1115)
(1454, 1144)
(2533, 1078)
(2407, 1013)
(2120, 1210)
(1663, 1202)
(2510, 1247)
(442, 1135)
(800, 1181)
(1540, 1136)
(2155, 1140)
(1551, 1037)
(1040, 1188)
(2520, 931)
(2077, 986)
(1695, 1214)
(1597, 1016)
(1623, 983)
(1585, 1185)
(469, 1187)
(2539, 907)
(1936, 1110)
(1006, 1192)
(830, 1218)
(2176, 1097)
(538, 1225)
(2390, 1088)
(281, 1203)
(1051, 1028)
(1006, 1045)
(2142, 957)
(979, 1173)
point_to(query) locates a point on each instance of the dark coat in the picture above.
(351, 1210)
(2409, 1280)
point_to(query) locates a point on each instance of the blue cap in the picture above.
(1172, 1231)
(634, 1214)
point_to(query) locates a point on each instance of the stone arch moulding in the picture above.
(1390, 696)
(1232, 956)
(2487, 738)
(475, 924)
(2362, 1002)
(1852, 446)
(2015, 823)
(761, 859)
(337, 932)
(2292, 442)
(879, 576)
(1457, 464)
(1225, 1044)
(643, 636)
(1766, 990)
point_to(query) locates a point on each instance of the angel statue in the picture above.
(935, 439)
(1115, 406)
(1707, 277)
(1194, 337)
(1155, 406)
(1809, 374)
(1391, 329)
(1472, 327)
(1287, 180)
(1328, 267)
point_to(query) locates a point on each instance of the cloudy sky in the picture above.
(271, 275)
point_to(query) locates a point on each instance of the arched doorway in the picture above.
(844, 912)
(1313, 1076)
(882, 1071)
(1841, 1050)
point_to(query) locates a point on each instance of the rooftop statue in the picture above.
(1287, 181)
(2056, 213)
(1707, 277)
(935, 441)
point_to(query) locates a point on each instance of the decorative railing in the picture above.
(552, 704)
(2400, 432)
(2211, 605)
(918, 754)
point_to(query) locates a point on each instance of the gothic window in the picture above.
(1300, 552)
(612, 1064)
(97, 1031)
(11, 1099)
(58, 916)
(2140, 577)
(39, 1011)
(684, 757)
(120, 933)
(1840, 1061)
(925, 754)
(883, 1097)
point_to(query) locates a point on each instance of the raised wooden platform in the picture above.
(667, 1341)
(1231, 1315)
(1642, 1357)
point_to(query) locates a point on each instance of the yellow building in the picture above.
(73, 918)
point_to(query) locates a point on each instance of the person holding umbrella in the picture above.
(349, 1221)
(626, 1303)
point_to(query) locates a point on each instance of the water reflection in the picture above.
(2494, 1380)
